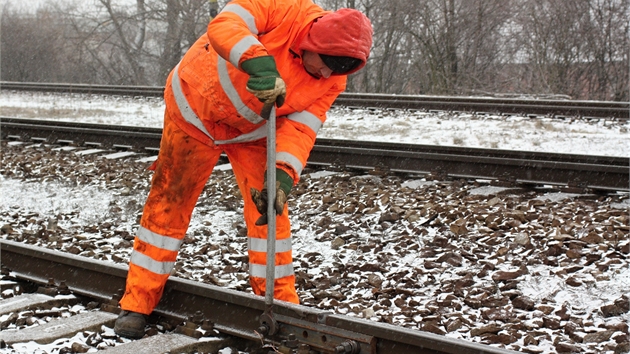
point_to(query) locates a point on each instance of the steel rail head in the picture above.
(551, 107)
(232, 312)
(600, 173)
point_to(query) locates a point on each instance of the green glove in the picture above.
(284, 183)
(265, 82)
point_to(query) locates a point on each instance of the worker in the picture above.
(254, 55)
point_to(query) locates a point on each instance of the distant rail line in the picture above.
(506, 167)
(507, 106)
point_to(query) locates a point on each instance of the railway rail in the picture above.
(556, 108)
(596, 173)
(202, 308)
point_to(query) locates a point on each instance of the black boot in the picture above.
(130, 324)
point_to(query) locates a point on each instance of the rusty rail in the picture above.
(545, 107)
(232, 312)
(603, 173)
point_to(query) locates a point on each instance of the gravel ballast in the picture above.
(536, 271)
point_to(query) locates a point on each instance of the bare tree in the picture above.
(578, 48)
(455, 43)
(132, 45)
(608, 50)
(392, 49)
(551, 47)
(481, 48)
(186, 20)
(31, 45)
(129, 30)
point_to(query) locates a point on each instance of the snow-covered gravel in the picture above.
(537, 271)
(576, 136)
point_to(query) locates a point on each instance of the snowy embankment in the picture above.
(535, 271)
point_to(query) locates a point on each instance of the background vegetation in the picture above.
(578, 48)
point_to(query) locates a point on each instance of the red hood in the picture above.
(345, 32)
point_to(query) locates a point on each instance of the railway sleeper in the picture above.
(195, 335)
(60, 327)
(599, 173)
(293, 336)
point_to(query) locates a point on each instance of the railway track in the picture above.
(596, 173)
(219, 316)
(324, 332)
(545, 107)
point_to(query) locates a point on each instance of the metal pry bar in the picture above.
(268, 323)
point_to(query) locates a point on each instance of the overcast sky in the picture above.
(32, 5)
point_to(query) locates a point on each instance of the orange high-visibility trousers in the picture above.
(182, 169)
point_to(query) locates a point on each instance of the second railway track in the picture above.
(599, 173)
(563, 108)
(522, 328)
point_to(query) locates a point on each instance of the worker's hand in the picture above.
(265, 82)
(284, 183)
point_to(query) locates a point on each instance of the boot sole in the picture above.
(129, 333)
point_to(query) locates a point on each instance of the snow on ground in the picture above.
(596, 137)
(588, 137)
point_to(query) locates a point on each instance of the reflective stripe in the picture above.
(239, 48)
(157, 240)
(191, 117)
(308, 119)
(183, 106)
(260, 244)
(230, 91)
(259, 133)
(291, 160)
(148, 263)
(260, 270)
(245, 15)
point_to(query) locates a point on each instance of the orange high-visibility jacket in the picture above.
(206, 98)
(209, 99)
